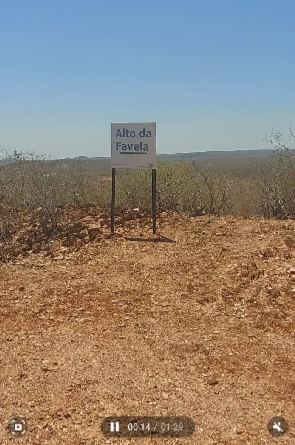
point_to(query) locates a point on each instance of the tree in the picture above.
(280, 146)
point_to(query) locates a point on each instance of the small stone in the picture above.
(213, 382)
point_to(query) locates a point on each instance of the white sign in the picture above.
(134, 145)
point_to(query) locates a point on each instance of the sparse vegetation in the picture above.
(35, 192)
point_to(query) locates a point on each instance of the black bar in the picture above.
(127, 426)
(154, 199)
(113, 200)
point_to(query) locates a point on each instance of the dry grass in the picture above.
(198, 323)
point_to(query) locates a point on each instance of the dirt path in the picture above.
(200, 325)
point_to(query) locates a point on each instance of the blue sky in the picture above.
(213, 74)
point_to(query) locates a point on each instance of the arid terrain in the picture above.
(197, 321)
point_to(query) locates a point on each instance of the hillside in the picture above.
(197, 321)
(201, 155)
(217, 159)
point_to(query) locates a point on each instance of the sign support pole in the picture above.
(154, 199)
(113, 200)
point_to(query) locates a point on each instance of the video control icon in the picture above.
(18, 426)
(278, 426)
(115, 426)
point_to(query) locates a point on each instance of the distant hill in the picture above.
(102, 164)
(236, 154)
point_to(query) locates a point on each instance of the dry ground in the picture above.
(199, 323)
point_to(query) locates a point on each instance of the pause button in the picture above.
(115, 426)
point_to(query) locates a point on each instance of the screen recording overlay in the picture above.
(148, 426)
(18, 426)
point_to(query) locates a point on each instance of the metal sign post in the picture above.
(113, 200)
(154, 200)
(134, 146)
